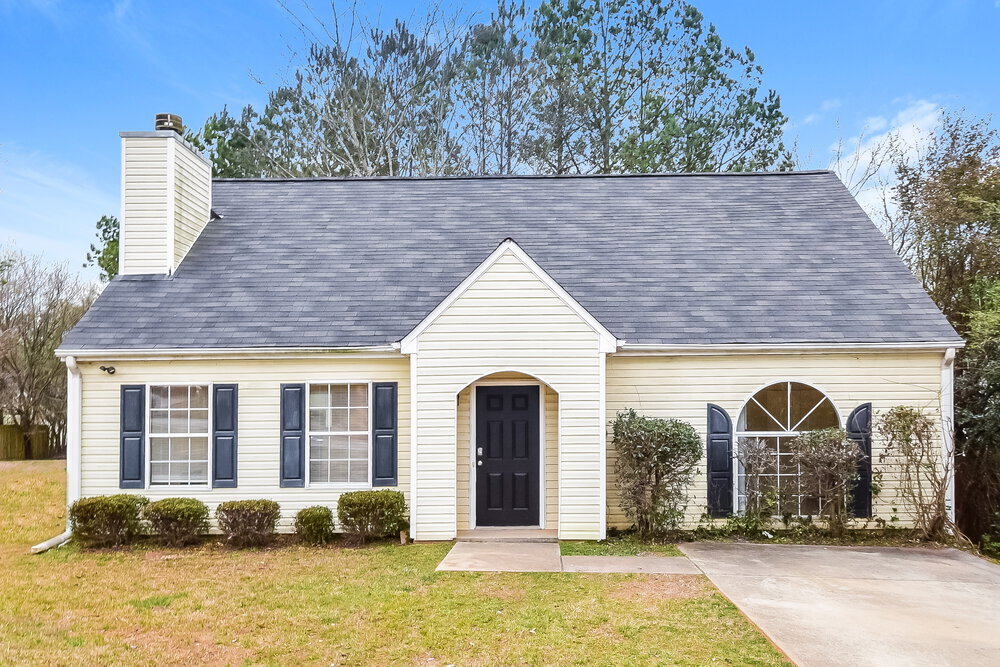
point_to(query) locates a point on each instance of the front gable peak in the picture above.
(510, 248)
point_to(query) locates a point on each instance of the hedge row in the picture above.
(117, 520)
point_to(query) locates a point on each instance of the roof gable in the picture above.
(509, 247)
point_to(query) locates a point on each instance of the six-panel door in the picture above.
(507, 456)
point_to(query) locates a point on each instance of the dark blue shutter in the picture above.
(224, 427)
(720, 462)
(132, 459)
(859, 429)
(293, 435)
(385, 433)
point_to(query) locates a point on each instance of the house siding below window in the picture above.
(257, 458)
(680, 387)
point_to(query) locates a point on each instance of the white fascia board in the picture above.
(609, 343)
(373, 351)
(642, 349)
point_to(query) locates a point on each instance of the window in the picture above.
(338, 434)
(776, 415)
(178, 435)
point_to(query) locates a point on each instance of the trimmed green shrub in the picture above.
(248, 523)
(177, 521)
(314, 525)
(107, 520)
(657, 460)
(372, 514)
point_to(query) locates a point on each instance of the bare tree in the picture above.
(913, 441)
(38, 305)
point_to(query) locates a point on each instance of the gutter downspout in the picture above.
(948, 427)
(74, 423)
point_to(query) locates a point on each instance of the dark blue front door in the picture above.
(507, 456)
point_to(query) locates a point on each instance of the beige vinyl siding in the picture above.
(550, 443)
(681, 387)
(509, 320)
(258, 446)
(193, 199)
(146, 193)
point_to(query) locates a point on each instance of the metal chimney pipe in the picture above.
(169, 121)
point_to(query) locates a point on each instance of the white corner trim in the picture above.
(413, 446)
(608, 342)
(948, 427)
(121, 213)
(171, 206)
(74, 433)
(602, 409)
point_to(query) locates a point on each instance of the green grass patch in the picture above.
(287, 603)
(625, 545)
(155, 601)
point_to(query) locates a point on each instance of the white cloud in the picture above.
(811, 118)
(831, 104)
(48, 207)
(909, 127)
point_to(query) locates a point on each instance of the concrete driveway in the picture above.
(862, 606)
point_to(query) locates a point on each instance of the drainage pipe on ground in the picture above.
(74, 405)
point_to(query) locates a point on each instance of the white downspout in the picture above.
(74, 423)
(948, 427)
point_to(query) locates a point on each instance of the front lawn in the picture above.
(382, 604)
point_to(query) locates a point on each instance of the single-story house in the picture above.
(467, 340)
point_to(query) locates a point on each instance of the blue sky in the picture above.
(75, 73)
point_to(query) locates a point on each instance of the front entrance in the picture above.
(507, 456)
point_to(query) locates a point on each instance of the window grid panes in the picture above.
(776, 415)
(338, 434)
(178, 435)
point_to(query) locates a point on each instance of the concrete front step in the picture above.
(508, 535)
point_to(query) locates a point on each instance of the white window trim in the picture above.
(737, 433)
(541, 443)
(147, 423)
(337, 486)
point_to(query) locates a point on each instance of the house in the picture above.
(467, 340)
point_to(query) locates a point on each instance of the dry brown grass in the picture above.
(289, 604)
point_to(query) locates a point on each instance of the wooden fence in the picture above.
(12, 443)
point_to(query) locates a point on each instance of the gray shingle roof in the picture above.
(671, 259)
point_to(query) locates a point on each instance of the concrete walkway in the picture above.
(544, 557)
(862, 606)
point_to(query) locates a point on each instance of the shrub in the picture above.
(912, 438)
(656, 462)
(107, 520)
(314, 525)
(758, 460)
(367, 514)
(248, 523)
(177, 521)
(827, 461)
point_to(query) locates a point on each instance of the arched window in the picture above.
(776, 414)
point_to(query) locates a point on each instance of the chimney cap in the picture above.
(169, 121)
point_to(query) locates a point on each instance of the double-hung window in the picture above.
(339, 434)
(178, 435)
